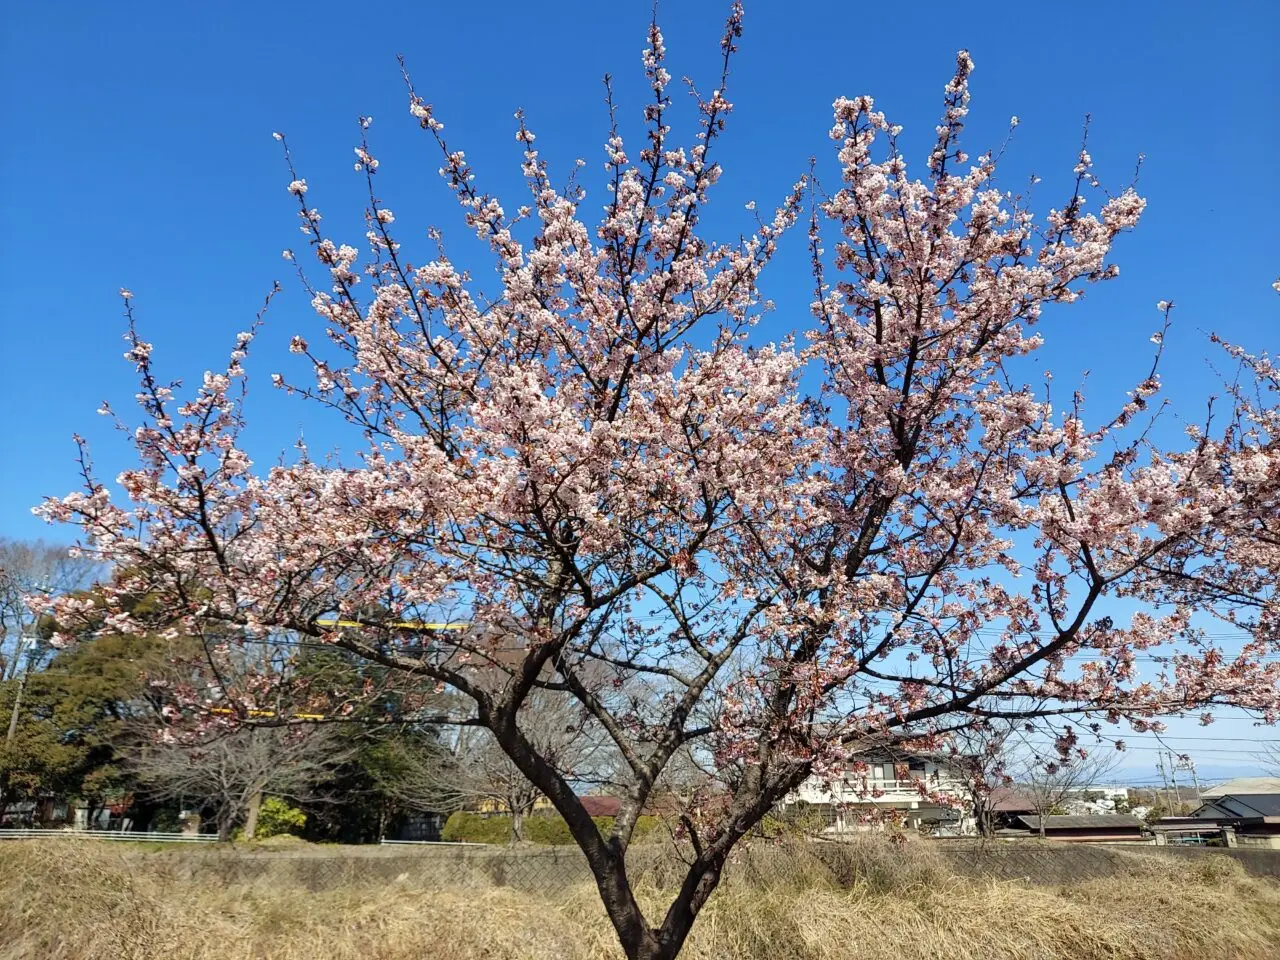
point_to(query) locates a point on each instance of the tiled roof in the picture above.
(601, 806)
(1100, 821)
(1250, 804)
(1009, 800)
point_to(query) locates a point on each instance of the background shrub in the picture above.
(276, 818)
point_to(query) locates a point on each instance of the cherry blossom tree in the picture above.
(768, 558)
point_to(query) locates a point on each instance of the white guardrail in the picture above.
(31, 833)
(431, 843)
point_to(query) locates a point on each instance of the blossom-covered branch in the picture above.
(626, 502)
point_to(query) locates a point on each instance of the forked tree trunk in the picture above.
(606, 857)
(641, 942)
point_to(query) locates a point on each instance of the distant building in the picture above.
(1252, 818)
(1005, 804)
(494, 806)
(909, 787)
(601, 805)
(1243, 786)
(1097, 800)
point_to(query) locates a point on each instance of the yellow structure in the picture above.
(350, 624)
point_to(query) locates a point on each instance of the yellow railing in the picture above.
(398, 625)
(267, 713)
(345, 624)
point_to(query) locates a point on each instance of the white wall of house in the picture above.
(1259, 841)
(885, 783)
(888, 786)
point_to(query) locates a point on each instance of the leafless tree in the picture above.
(1048, 782)
(420, 771)
(28, 567)
(232, 771)
(982, 752)
(1270, 759)
(470, 767)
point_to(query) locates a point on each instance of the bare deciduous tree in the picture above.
(472, 768)
(1270, 759)
(28, 567)
(1049, 782)
(982, 753)
(231, 772)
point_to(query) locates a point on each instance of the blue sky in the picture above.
(140, 155)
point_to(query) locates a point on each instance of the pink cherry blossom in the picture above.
(773, 557)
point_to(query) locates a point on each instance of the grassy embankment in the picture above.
(85, 901)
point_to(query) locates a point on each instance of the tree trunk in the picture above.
(517, 824)
(666, 942)
(225, 820)
(251, 815)
(607, 858)
(637, 939)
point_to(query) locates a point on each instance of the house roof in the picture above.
(1243, 786)
(601, 805)
(1099, 821)
(1009, 800)
(1248, 804)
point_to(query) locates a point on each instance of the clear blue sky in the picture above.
(139, 154)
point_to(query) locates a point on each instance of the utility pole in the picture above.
(42, 587)
(1173, 775)
(1164, 775)
(1186, 763)
(17, 705)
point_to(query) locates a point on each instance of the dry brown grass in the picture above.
(60, 901)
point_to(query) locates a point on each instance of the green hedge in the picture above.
(467, 827)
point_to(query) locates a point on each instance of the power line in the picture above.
(1198, 750)
(1220, 740)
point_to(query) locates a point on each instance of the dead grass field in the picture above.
(86, 901)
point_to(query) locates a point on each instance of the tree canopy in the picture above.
(770, 558)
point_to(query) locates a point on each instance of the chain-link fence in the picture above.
(549, 871)
(530, 871)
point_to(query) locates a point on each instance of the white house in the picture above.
(917, 788)
(1096, 800)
